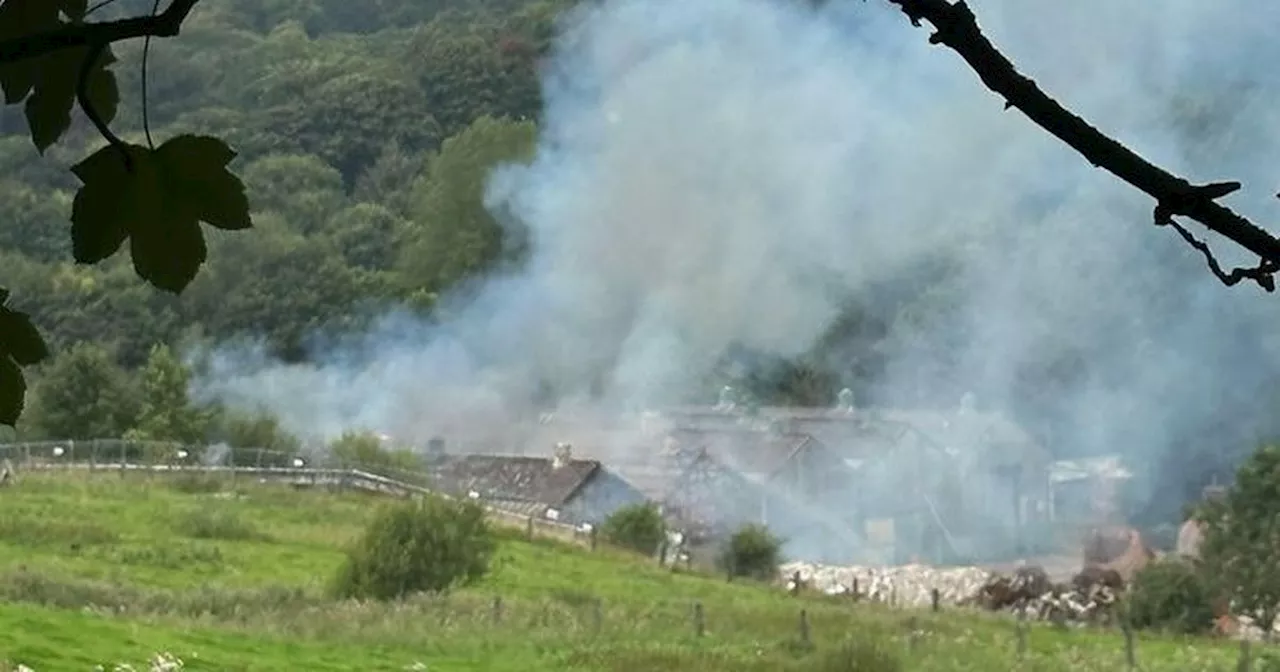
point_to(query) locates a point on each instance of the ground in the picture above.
(102, 570)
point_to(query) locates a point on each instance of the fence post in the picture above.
(1245, 664)
(856, 595)
(1020, 628)
(804, 628)
(594, 535)
(124, 457)
(528, 531)
(699, 622)
(1129, 655)
(497, 609)
(935, 597)
(93, 454)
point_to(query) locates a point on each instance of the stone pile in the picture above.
(1028, 591)
(905, 585)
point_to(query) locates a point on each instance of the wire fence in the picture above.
(265, 465)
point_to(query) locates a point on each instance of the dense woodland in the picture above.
(364, 133)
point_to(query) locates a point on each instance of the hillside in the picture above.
(104, 569)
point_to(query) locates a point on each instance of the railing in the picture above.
(262, 465)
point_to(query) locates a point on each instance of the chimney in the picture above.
(435, 448)
(844, 401)
(562, 455)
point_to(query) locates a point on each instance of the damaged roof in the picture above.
(760, 454)
(511, 477)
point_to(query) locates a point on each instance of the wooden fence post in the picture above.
(1130, 660)
(1245, 663)
(497, 609)
(856, 595)
(699, 622)
(935, 597)
(804, 629)
(529, 528)
(1020, 628)
(594, 535)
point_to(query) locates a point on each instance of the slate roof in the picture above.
(514, 478)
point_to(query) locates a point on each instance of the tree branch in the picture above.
(957, 28)
(164, 24)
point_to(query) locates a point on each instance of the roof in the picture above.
(510, 477)
(755, 453)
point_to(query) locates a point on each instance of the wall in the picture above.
(603, 494)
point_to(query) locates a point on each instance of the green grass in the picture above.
(101, 570)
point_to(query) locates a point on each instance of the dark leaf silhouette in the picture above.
(157, 201)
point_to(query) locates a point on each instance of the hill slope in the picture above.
(101, 570)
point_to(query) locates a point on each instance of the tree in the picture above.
(82, 394)
(1242, 533)
(166, 413)
(454, 236)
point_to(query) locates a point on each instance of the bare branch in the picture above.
(957, 28)
(164, 24)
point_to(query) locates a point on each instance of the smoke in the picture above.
(726, 173)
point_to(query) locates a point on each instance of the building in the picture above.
(557, 486)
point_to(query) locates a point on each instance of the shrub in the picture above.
(638, 527)
(753, 551)
(1170, 595)
(426, 546)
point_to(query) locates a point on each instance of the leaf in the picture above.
(19, 338)
(13, 391)
(157, 203)
(101, 211)
(20, 344)
(196, 166)
(49, 107)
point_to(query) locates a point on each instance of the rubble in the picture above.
(1028, 591)
(904, 585)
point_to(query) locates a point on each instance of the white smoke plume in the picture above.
(725, 171)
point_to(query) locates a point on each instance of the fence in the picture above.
(299, 469)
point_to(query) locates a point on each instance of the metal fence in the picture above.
(303, 468)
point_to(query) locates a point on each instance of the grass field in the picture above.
(100, 570)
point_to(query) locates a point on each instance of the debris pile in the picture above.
(1088, 598)
(1028, 591)
(906, 585)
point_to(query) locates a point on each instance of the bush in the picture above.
(427, 546)
(638, 527)
(1170, 595)
(753, 551)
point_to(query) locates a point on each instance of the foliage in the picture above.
(167, 413)
(258, 429)
(82, 394)
(753, 552)
(638, 527)
(1242, 531)
(365, 450)
(426, 546)
(457, 236)
(1172, 595)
